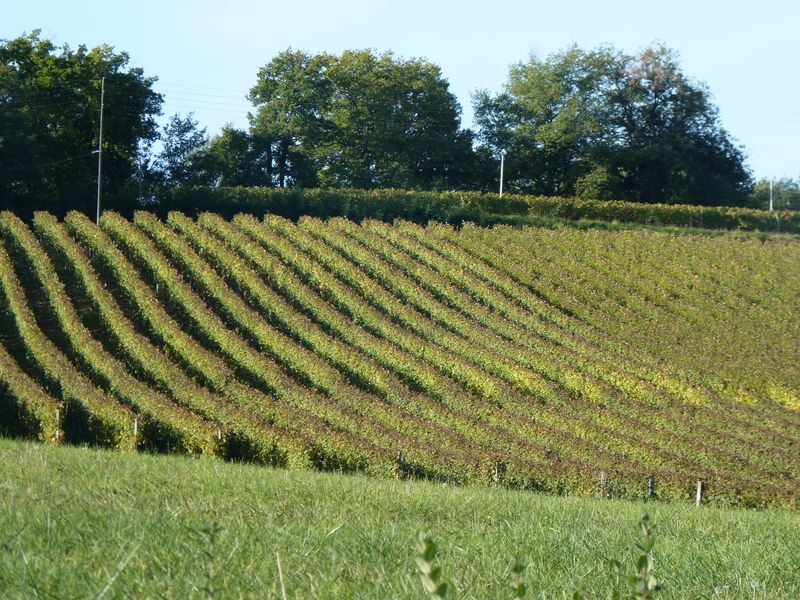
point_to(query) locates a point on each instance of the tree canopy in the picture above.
(360, 119)
(605, 124)
(182, 141)
(49, 122)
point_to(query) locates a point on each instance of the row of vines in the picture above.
(536, 359)
(457, 207)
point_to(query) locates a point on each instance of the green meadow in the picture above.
(77, 523)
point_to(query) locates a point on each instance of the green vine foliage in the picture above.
(621, 364)
(456, 207)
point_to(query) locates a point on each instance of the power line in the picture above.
(210, 103)
(58, 162)
(40, 105)
(231, 96)
(199, 87)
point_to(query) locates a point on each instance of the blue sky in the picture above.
(206, 54)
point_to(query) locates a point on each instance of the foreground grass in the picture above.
(76, 523)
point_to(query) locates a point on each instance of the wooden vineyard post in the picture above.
(651, 488)
(398, 466)
(136, 430)
(602, 484)
(497, 472)
(698, 497)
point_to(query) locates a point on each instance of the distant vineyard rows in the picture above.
(420, 207)
(531, 358)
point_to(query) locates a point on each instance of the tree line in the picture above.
(599, 124)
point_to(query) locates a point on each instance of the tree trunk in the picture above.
(270, 169)
(282, 160)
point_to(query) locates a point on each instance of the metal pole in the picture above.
(100, 147)
(770, 195)
(502, 160)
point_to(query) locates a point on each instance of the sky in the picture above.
(206, 54)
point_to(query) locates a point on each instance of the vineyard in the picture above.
(617, 363)
(457, 207)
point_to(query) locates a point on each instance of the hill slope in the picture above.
(532, 358)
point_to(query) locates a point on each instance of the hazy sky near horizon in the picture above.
(206, 54)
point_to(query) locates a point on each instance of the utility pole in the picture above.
(100, 147)
(502, 160)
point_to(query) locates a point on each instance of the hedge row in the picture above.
(456, 207)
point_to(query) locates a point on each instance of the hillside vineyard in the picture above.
(538, 359)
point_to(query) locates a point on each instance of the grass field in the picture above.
(78, 523)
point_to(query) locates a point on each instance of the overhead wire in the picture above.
(68, 159)
(185, 100)
(206, 101)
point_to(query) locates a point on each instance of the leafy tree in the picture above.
(19, 150)
(182, 140)
(394, 123)
(675, 148)
(550, 120)
(233, 158)
(360, 120)
(289, 96)
(49, 123)
(604, 124)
